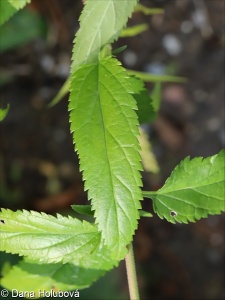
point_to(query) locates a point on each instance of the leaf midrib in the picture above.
(160, 192)
(106, 152)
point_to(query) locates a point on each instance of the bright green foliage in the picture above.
(156, 78)
(105, 130)
(194, 190)
(134, 30)
(30, 276)
(156, 97)
(4, 112)
(45, 238)
(65, 253)
(149, 161)
(100, 23)
(9, 7)
(147, 10)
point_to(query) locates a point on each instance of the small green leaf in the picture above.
(148, 158)
(105, 131)
(134, 30)
(120, 49)
(9, 7)
(4, 112)
(83, 209)
(156, 97)
(145, 214)
(45, 238)
(147, 10)
(62, 92)
(156, 78)
(100, 23)
(194, 189)
(145, 110)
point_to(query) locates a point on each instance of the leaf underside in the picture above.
(105, 130)
(33, 277)
(194, 190)
(145, 110)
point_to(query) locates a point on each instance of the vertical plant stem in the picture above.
(131, 274)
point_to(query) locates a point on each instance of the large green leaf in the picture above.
(9, 7)
(31, 276)
(105, 132)
(45, 238)
(100, 23)
(194, 190)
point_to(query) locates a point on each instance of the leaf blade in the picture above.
(4, 112)
(100, 95)
(32, 276)
(9, 7)
(194, 190)
(95, 32)
(45, 238)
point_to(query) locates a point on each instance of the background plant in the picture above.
(94, 69)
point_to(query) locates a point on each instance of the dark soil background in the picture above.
(40, 171)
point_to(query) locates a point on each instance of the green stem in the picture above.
(131, 274)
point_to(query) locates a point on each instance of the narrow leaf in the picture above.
(83, 209)
(9, 7)
(4, 112)
(134, 30)
(62, 92)
(147, 10)
(194, 189)
(105, 130)
(145, 110)
(156, 97)
(120, 49)
(145, 214)
(156, 78)
(148, 158)
(100, 23)
(45, 238)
